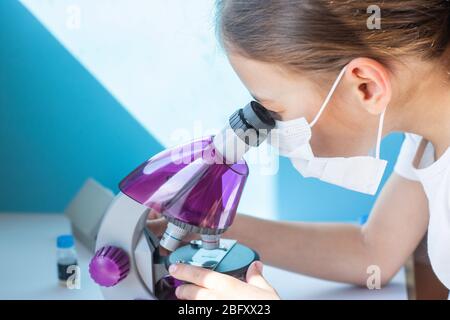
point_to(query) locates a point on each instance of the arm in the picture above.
(342, 252)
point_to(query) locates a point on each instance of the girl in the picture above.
(383, 78)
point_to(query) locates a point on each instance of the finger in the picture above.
(255, 276)
(157, 226)
(152, 215)
(193, 292)
(202, 277)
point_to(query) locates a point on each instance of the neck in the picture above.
(426, 112)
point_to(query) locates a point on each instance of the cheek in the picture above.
(326, 140)
(336, 137)
(334, 132)
(301, 106)
(343, 129)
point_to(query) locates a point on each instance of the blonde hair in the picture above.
(324, 35)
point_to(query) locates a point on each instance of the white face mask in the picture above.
(292, 139)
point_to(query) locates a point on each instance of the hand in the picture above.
(205, 284)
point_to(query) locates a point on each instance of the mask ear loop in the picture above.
(328, 98)
(379, 135)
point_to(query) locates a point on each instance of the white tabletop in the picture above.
(28, 267)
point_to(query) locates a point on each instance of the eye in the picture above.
(256, 99)
(276, 115)
(259, 99)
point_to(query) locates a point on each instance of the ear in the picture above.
(371, 82)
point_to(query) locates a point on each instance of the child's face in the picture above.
(285, 94)
(342, 130)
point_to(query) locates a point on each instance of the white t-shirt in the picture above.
(435, 178)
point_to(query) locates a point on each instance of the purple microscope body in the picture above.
(196, 187)
(195, 191)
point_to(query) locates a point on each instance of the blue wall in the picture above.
(313, 200)
(58, 125)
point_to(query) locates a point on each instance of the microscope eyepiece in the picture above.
(248, 127)
(258, 116)
(252, 123)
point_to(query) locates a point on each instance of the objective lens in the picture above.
(172, 237)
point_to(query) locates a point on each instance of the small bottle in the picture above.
(66, 257)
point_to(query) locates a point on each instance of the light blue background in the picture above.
(59, 126)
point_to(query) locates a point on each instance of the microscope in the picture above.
(196, 187)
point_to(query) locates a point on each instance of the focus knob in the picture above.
(109, 266)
